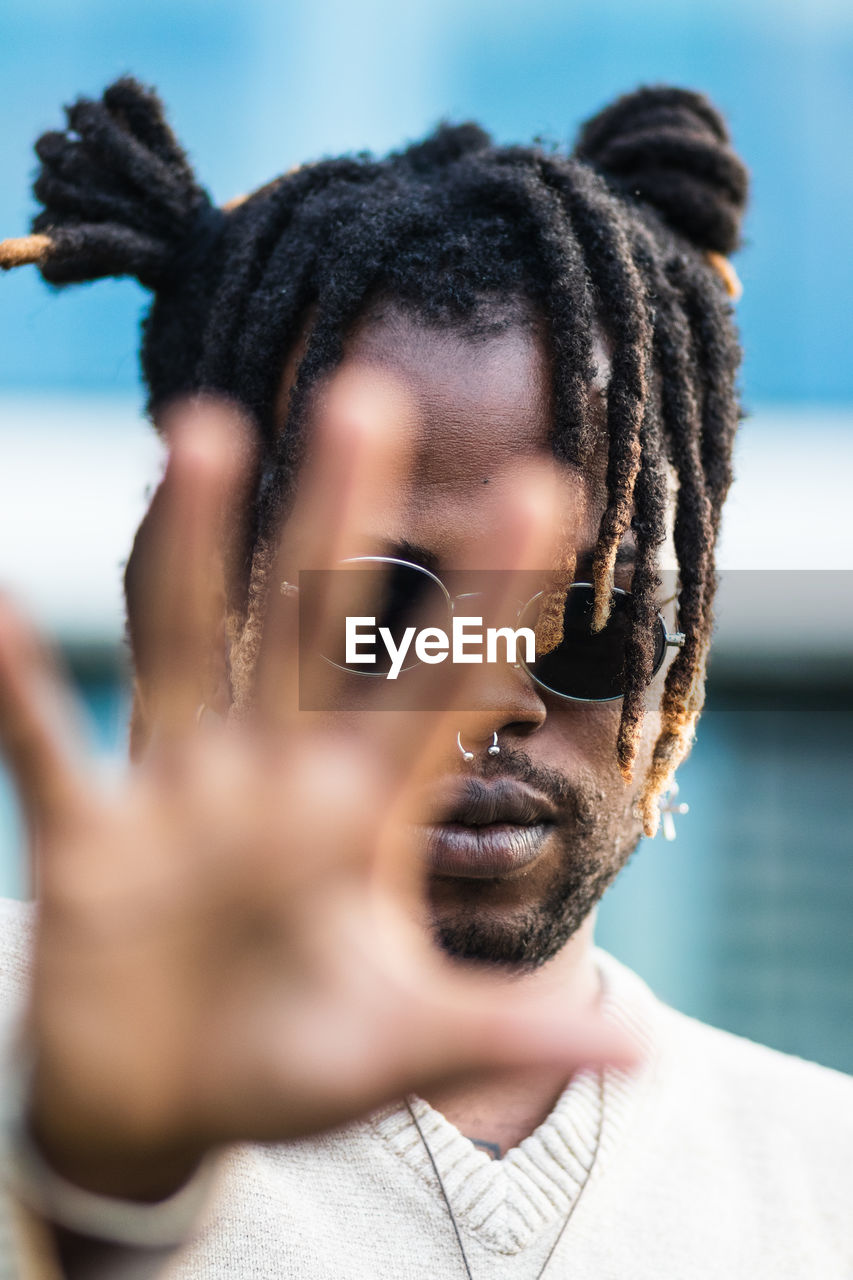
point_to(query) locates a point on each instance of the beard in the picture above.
(595, 842)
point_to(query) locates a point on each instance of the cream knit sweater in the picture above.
(718, 1158)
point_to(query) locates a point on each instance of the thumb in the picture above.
(457, 1040)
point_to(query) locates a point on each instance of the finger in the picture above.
(39, 730)
(369, 1050)
(502, 566)
(359, 454)
(452, 1041)
(480, 1026)
(176, 577)
(416, 744)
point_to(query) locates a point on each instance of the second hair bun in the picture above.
(670, 148)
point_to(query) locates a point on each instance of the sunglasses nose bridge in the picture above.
(461, 602)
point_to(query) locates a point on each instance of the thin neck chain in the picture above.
(572, 1206)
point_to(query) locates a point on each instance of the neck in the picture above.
(498, 1110)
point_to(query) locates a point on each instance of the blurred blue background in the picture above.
(257, 87)
(746, 920)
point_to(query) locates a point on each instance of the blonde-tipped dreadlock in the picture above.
(23, 250)
(550, 619)
(631, 233)
(245, 629)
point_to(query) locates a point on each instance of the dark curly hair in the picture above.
(632, 232)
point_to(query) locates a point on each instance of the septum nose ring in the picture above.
(467, 756)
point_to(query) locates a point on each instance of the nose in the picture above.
(501, 699)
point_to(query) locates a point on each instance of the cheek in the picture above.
(582, 739)
(585, 735)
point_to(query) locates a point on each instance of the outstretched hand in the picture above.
(231, 941)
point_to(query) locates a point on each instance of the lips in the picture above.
(484, 829)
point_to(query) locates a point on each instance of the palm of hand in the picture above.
(229, 948)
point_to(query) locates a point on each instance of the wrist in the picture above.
(145, 1177)
(142, 1200)
(98, 1152)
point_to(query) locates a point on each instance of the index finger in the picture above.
(415, 744)
(176, 577)
(358, 460)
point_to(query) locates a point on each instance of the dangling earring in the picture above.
(669, 808)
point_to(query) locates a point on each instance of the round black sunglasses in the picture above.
(586, 666)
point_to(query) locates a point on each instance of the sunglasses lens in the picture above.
(589, 664)
(394, 596)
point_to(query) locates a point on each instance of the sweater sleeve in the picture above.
(83, 1258)
(33, 1249)
(75, 1234)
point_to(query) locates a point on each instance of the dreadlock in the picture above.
(630, 232)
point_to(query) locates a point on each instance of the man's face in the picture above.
(477, 408)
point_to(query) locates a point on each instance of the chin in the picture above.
(523, 939)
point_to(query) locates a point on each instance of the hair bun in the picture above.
(446, 144)
(670, 148)
(118, 194)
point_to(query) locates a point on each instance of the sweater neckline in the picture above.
(506, 1203)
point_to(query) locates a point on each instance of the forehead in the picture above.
(473, 407)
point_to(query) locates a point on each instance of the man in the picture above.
(459, 358)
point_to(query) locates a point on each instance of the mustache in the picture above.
(580, 796)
